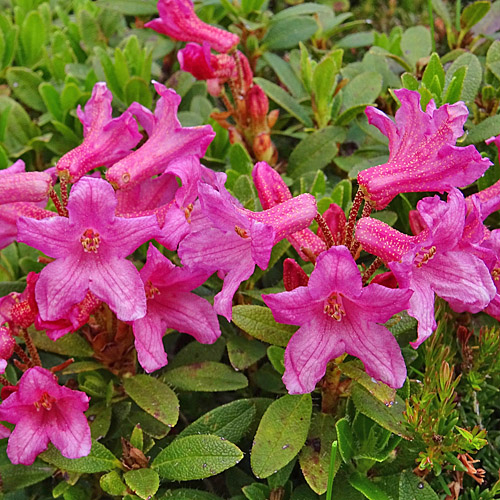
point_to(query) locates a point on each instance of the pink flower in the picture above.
(441, 259)
(337, 315)
(171, 305)
(239, 239)
(90, 249)
(179, 21)
(44, 411)
(16, 185)
(106, 139)
(168, 142)
(7, 344)
(422, 154)
(272, 191)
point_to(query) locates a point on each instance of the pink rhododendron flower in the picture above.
(4, 432)
(16, 185)
(438, 260)
(422, 151)
(272, 191)
(337, 314)
(171, 305)
(168, 142)
(90, 249)
(239, 239)
(7, 344)
(179, 21)
(43, 412)
(106, 139)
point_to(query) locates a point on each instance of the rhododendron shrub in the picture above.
(230, 248)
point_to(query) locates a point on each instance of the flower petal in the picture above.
(148, 333)
(28, 439)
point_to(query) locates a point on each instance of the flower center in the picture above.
(90, 241)
(44, 402)
(425, 255)
(241, 232)
(150, 290)
(334, 306)
(495, 274)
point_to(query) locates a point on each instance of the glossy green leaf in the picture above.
(369, 489)
(315, 151)
(433, 68)
(288, 32)
(24, 83)
(137, 90)
(154, 397)
(196, 457)
(207, 376)
(230, 421)
(143, 482)
(16, 477)
(244, 352)
(285, 73)
(258, 322)
(281, 434)
(188, 494)
(112, 483)
(69, 345)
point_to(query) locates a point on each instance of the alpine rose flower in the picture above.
(441, 259)
(179, 21)
(167, 143)
(106, 139)
(90, 249)
(422, 151)
(336, 315)
(44, 411)
(171, 305)
(7, 344)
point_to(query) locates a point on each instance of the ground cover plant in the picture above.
(249, 250)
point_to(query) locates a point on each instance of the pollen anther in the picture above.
(423, 258)
(334, 307)
(241, 232)
(90, 241)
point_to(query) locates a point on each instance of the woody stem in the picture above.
(31, 348)
(22, 355)
(4, 381)
(330, 242)
(349, 228)
(61, 210)
(369, 272)
(63, 182)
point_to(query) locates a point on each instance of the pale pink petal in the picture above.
(262, 243)
(378, 302)
(308, 352)
(148, 333)
(117, 282)
(295, 307)
(4, 432)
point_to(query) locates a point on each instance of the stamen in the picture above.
(187, 212)
(90, 241)
(44, 402)
(495, 274)
(334, 306)
(150, 290)
(241, 232)
(426, 256)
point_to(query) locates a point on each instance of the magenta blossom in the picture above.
(44, 411)
(336, 315)
(239, 239)
(171, 305)
(106, 139)
(422, 151)
(90, 249)
(441, 259)
(272, 191)
(179, 21)
(168, 142)
(7, 344)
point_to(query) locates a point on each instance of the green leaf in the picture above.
(100, 459)
(349, 114)
(455, 88)
(154, 397)
(473, 77)
(281, 434)
(24, 83)
(473, 13)
(230, 421)
(130, 7)
(256, 491)
(389, 417)
(345, 439)
(433, 68)
(258, 322)
(7, 287)
(32, 36)
(51, 100)
(240, 159)
(493, 58)
(276, 357)
(137, 89)
(412, 487)
(415, 44)
(409, 81)
(112, 483)
(207, 376)
(363, 88)
(143, 482)
(285, 73)
(244, 352)
(69, 345)
(367, 487)
(188, 494)
(196, 457)
(195, 352)
(285, 100)
(315, 151)
(16, 477)
(315, 455)
(287, 33)
(70, 96)
(442, 11)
